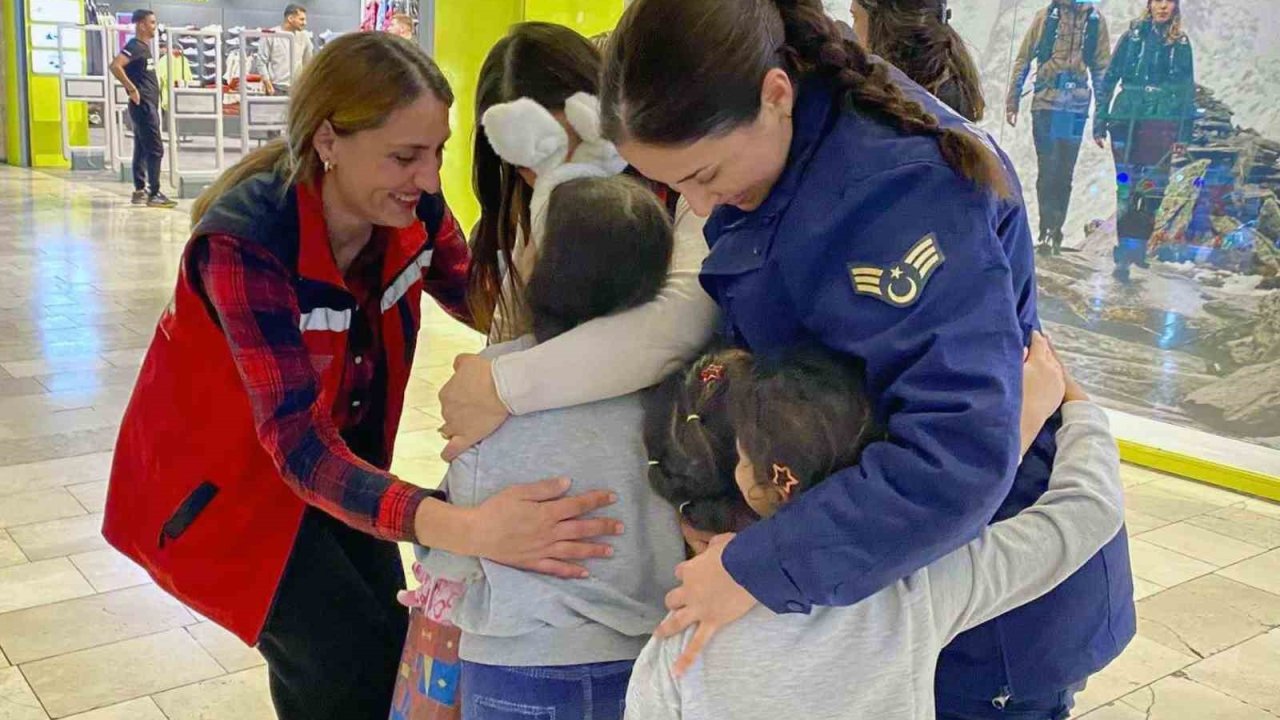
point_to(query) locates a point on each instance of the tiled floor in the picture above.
(83, 634)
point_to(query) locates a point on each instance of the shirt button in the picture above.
(355, 404)
(359, 359)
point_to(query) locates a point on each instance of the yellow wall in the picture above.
(464, 33)
(13, 119)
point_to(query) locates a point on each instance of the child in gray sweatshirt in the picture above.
(771, 433)
(538, 645)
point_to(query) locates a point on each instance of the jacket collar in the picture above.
(315, 255)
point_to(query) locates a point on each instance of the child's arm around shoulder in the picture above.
(1017, 560)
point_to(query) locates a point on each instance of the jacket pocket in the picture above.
(187, 512)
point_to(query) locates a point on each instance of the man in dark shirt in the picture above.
(135, 68)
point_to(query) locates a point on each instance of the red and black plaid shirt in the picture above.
(345, 472)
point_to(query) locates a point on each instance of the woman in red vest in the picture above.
(251, 473)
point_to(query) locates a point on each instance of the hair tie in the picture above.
(693, 418)
(654, 463)
(680, 508)
(784, 479)
(711, 373)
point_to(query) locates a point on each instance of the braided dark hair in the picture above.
(680, 70)
(691, 444)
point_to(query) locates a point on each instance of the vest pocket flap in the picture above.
(188, 511)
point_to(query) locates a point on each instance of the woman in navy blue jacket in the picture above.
(850, 208)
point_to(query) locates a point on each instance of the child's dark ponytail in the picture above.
(691, 445)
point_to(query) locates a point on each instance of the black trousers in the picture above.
(1058, 135)
(333, 639)
(1143, 153)
(148, 147)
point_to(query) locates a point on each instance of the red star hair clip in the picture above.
(712, 373)
(784, 480)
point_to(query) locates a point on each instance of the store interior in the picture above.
(1183, 351)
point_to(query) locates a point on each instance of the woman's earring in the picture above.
(327, 166)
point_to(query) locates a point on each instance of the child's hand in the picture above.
(708, 597)
(470, 405)
(1043, 387)
(1074, 393)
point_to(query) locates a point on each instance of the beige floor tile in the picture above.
(1142, 663)
(1135, 475)
(1141, 588)
(242, 696)
(1164, 567)
(230, 652)
(1199, 491)
(413, 420)
(1262, 572)
(122, 671)
(92, 496)
(59, 422)
(66, 627)
(1180, 698)
(108, 570)
(1242, 524)
(127, 358)
(10, 553)
(140, 709)
(4, 661)
(36, 368)
(419, 445)
(1112, 711)
(1246, 672)
(1263, 507)
(52, 447)
(1207, 615)
(109, 377)
(1201, 544)
(36, 507)
(427, 472)
(1152, 499)
(40, 583)
(17, 702)
(60, 538)
(19, 387)
(1138, 523)
(51, 474)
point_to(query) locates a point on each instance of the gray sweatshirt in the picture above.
(876, 659)
(518, 618)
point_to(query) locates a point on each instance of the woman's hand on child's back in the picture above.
(1043, 387)
(534, 527)
(708, 597)
(470, 405)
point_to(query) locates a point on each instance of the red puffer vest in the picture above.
(193, 496)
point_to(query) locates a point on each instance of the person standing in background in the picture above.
(135, 68)
(401, 25)
(1150, 122)
(282, 55)
(917, 38)
(1069, 42)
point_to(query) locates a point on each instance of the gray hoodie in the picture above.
(517, 618)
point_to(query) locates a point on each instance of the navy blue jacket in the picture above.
(872, 245)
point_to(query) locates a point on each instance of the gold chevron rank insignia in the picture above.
(901, 283)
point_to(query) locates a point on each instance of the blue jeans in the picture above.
(597, 691)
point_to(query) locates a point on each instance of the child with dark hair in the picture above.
(773, 430)
(563, 647)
